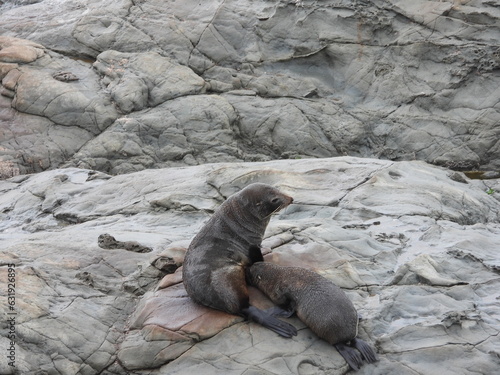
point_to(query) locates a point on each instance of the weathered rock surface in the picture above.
(120, 87)
(278, 79)
(414, 246)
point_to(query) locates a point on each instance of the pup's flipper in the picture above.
(366, 350)
(269, 321)
(351, 355)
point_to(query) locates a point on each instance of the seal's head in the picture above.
(263, 200)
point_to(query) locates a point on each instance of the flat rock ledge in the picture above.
(413, 245)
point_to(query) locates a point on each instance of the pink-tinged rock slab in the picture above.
(172, 309)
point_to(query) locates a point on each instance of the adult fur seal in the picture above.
(318, 302)
(216, 260)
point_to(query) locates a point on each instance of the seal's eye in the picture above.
(275, 201)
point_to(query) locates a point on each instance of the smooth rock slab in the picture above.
(69, 104)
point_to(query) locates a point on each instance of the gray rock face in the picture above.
(137, 81)
(389, 80)
(188, 130)
(414, 247)
(138, 116)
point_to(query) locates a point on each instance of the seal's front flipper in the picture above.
(274, 324)
(366, 350)
(351, 355)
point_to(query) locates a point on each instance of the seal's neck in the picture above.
(244, 224)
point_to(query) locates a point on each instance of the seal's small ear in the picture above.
(244, 198)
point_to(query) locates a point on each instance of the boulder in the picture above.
(137, 81)
(16, 50)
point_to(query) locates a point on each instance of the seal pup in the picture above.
(318, 302)
(216, 260)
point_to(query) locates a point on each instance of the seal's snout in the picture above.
(288, 200)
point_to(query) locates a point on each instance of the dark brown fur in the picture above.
(318, 302)
(215, 263)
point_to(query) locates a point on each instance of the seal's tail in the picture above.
(267, 320)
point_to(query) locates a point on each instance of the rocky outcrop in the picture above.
(140, 117)
(179, 83)
(414, 246)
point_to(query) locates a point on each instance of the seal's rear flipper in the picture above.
(366, 350)
(267, 320)
(351, 355)
(278, 311)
